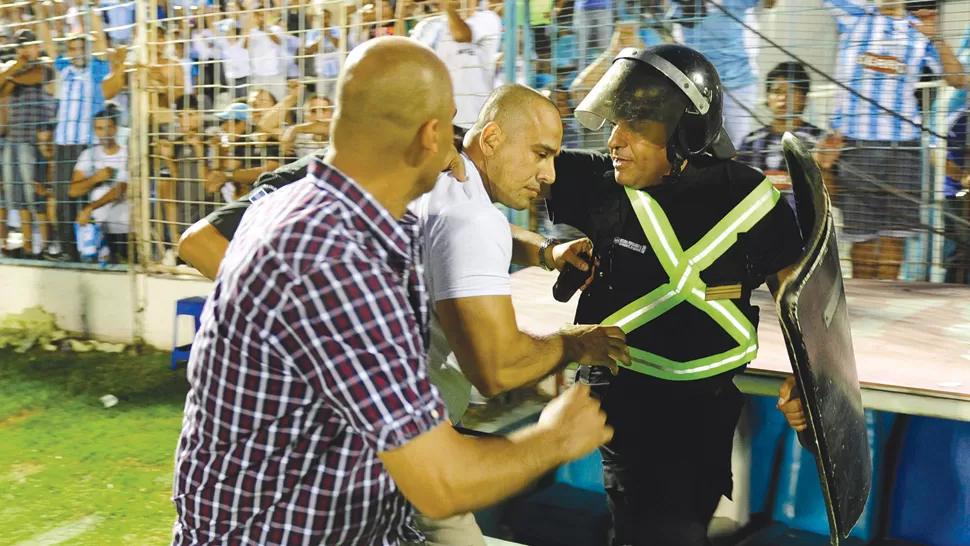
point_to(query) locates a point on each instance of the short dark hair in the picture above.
(46, 128)
(791, 72)
(187, 102)
(318, 96)
(110, 111)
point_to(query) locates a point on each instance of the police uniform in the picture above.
(677, 262)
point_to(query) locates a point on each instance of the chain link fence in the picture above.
(126, 122)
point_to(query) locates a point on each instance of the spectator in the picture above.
(120, 18)
(324, 45)
(166, 76)
(787, 87)
(181, 167)
(267, 115)
(231, 48)
(44, 203)
(540, 21)
(721, 38)
(80, 96)
(239, 157)
(314, 133)
(883, 145)
(571, 136)
(593, 25)
(467, 40)
(28, 107)
(101, 174)
(265, 42)
(204, 52)
(956, 203)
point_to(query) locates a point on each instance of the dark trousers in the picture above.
(118, 243)
(669, 461)
(65, 158)
(956, 258)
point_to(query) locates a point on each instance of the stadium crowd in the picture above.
(227, 90)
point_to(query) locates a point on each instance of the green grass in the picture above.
(64, 457)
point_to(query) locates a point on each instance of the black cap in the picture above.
(24, 36)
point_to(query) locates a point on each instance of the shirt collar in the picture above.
(396, 236)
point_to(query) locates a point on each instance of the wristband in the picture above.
(542, 252)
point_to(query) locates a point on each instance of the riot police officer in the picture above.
(681, 235)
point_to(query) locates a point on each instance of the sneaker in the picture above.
(16, 253)
(59, 257)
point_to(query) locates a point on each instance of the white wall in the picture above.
(100, 303)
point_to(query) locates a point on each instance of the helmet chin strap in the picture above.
(673, 157)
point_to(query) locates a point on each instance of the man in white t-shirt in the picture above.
(101, 174)
(267, 52)
(508, 155)
(468, 44)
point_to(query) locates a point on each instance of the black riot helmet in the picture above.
(669, 84)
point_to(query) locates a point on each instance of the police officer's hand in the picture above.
(575, 422)
(595, 345)
(790, 404)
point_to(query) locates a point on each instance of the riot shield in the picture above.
(815, 322)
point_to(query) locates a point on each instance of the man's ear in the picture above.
(427, 142)
(490, 139)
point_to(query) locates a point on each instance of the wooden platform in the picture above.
(911, 341)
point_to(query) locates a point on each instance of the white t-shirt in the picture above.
(235, 57)
(113, 217)
(467, 253)
(471, 64)
(266, 55)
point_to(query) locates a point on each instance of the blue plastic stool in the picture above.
(768, 434)
(187, 306)
(931, 497)
(799, 514)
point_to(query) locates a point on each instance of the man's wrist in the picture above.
(548, 440)
(545, 253)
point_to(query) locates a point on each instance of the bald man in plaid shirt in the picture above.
(310, 418)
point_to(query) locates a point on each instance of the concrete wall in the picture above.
(100, 303)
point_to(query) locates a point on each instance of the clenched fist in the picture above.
(790, 404)
(577, 423)
(594, 345)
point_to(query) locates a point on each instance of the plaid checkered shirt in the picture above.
(311, 360)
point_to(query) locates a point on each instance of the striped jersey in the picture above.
(762, 150)
(79, 99)
(880, 58)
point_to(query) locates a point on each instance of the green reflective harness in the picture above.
(683, 269)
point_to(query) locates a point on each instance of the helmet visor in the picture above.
(634, 92)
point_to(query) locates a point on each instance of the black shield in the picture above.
(815, 321)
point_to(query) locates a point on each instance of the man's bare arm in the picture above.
(460, 31)
(443, 473)
(525, 250)
(203, 247)
(496, 356)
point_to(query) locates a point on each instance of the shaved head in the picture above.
(389, 88)
(513, 107)
(391, 128)
(514, 143)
